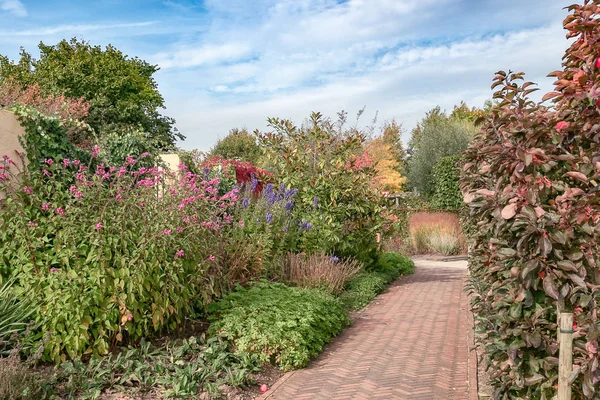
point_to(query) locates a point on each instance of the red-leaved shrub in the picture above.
(532, 180)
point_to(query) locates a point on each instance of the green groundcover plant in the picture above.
(275, 323)
(531, 181)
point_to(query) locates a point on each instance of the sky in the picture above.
(234, 63)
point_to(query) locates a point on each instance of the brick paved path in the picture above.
(412, 343)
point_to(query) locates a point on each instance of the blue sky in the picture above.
(233, 63)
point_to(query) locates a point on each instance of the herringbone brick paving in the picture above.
(412, 343)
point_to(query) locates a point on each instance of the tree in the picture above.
(238, 145)
(436, 136)
(391, 133)
(386, 163)
(121, 91)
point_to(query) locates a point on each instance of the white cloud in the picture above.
(190, 56)
(82, 28)
(403, 84)
(14, 7)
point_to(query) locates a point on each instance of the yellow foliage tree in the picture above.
(386, 164)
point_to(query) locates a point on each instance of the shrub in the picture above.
(318, 271)
(277, 323)
(394, 264)
(435, 233)
(107, 259)
(446, 193)
(335, 181)
(368, 284)
(363, 289)
(531, 180)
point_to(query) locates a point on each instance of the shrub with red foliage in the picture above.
(67, 109)
(532, 183)
(244, 171)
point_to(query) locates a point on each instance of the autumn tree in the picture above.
(385, 160)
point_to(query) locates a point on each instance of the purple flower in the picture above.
(289, 205)
(306, 226)
(334, 259)
(268, 190)
(271, 199)
(269, 218)
(290, 193)
(179, 253)
(254, 183)
(316, 202)
(245, 202)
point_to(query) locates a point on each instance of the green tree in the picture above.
(121, 90)
(436, 136)
(238, 145)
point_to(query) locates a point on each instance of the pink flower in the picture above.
(49, 161)
(45, 206)
(179, 229)
(597, 62)
(129, 317)
(53, 270)
(95, 151)
(141, 204)
(179, 253)
(46, 172)
(60, 211)
(211, 258)
(76, 162)
(66, 162)
(561, 125)
(130, 160)
(118, 196)
(144, 154)
(167, 232)
(4, 175)
(28, 190)
(31, 224)
(122, 171)
(78, 194)
(99, 226)
(241, 223)
(73, 188)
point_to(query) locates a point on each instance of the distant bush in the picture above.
(277, 323)
(435, 233)
(238, 145)
(446, 193)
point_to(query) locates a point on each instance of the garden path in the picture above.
(412, 343)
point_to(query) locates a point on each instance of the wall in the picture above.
(10, 131)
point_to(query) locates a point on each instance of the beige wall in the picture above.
(10, 131)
